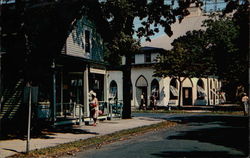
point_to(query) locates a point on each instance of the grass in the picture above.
(190, 111)
(95, 142)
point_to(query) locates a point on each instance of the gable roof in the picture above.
(189, 23)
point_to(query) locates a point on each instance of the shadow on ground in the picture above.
(193, 154)
(228, 131)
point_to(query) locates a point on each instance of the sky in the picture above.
(210, 7)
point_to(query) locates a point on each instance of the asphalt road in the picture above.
(195, 136)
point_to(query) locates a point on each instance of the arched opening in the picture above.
(113, 90)
(173, 89)
(141, 90)
(155, 89)
(200, 90)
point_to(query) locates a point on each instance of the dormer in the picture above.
(84, 41)
(147, 55)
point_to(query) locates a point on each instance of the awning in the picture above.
(201, 91)
(174, 90)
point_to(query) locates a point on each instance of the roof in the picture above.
(150, 48)
(189, 23)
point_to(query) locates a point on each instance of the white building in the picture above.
(195, 91)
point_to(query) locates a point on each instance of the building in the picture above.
(195, 91)
(62, 80)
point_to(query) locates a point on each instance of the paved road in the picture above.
(195, 136)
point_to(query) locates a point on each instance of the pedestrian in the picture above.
(153, 102)
(94, 105)
(142, 102)
(245, 103)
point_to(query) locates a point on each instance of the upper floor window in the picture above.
(87, 41)
(147, 57)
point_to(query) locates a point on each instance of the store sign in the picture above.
(97, 71)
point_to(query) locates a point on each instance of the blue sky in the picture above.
(210, 7)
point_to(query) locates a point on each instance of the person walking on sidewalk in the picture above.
(245, 103)
(94, 105)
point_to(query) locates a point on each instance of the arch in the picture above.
(173, 90)
(200, 90)
(141, 85)
(187, 83)
(201, 83)
(113, 89)
(155, 88)
(141, 82)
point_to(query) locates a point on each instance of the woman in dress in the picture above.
(94, 105)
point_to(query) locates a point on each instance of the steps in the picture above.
(12, 99)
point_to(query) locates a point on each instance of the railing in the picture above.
(110, 109)
(115, 108)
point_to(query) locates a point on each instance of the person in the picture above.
(94, 105)
(245, 103)
(142, 102)
(152, 102)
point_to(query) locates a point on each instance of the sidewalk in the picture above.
(11, 147)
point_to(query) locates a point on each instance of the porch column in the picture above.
(86, 92)
(208, 92)
(105, 87)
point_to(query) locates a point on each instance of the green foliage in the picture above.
(222, 35)
(188, 58)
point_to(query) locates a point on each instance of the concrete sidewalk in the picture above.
(11, 147)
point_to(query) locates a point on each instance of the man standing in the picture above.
(245, 103)
(142, 102)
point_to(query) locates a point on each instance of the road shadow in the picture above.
(228, 131)
(195, 154)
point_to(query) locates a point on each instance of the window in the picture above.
(87, 41)
(155, 89)
(147, 57)
(113, 89)
(173, 89)
(200, 90)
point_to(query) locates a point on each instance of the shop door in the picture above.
(187, 96)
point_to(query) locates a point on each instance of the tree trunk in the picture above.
(126, 113)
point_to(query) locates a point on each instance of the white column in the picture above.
(105, 87)
(86, 92)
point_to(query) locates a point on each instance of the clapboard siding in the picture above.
(75, 44)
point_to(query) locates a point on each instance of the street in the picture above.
(194, 136)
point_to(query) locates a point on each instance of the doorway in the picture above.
(187, 96)
(141, 89)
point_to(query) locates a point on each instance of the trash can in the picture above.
(43, 111)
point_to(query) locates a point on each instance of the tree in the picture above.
(229, 52)
(240, 11)
(188, 58)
